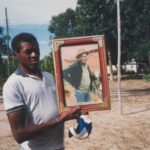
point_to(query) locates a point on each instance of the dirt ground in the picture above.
(111, 130)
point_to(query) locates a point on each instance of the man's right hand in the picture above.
(70, 114)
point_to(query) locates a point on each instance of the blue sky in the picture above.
(40, 32)
(33, 16)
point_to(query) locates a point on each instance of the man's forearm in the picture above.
(23, 133)
(33, 131)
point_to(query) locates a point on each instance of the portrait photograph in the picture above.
(80, 73)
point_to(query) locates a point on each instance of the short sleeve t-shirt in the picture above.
(38, 97)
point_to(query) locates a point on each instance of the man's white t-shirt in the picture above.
(38, 96)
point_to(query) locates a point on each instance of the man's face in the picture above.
(83, 59)
(28, 56)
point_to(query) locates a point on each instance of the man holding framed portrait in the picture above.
(80, 73)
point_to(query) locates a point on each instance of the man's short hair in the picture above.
(23, 37)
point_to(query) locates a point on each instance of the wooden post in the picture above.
(8, 62)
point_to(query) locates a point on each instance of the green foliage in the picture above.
(90, 18)
(98, 17)
(2, 81)
(1, 30)
(94, 17)
(3, 45)
(63, 24)
(4, 69)
(135, 29)
(4, 64)
(47, 63)
(147, 77)
(3, 74)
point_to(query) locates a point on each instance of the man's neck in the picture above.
(35, 72)
(83, 65)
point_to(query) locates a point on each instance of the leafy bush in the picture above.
(146, 69)
(147, 77)
(47, 63)
(2, 81)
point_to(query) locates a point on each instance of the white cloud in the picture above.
(33, 11)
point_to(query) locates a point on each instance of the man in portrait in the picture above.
(80, 76)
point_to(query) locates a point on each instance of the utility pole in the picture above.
(7, 42)
(119, 56)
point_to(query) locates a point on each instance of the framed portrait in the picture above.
(80, 73)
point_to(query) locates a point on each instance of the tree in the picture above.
(89, 18)
(63, 25)
(1, 49)
(99, 17)
(3, 43)
(47, 63)
(3, 61)
(135, 29)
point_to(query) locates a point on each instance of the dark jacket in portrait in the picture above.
(73, 74)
